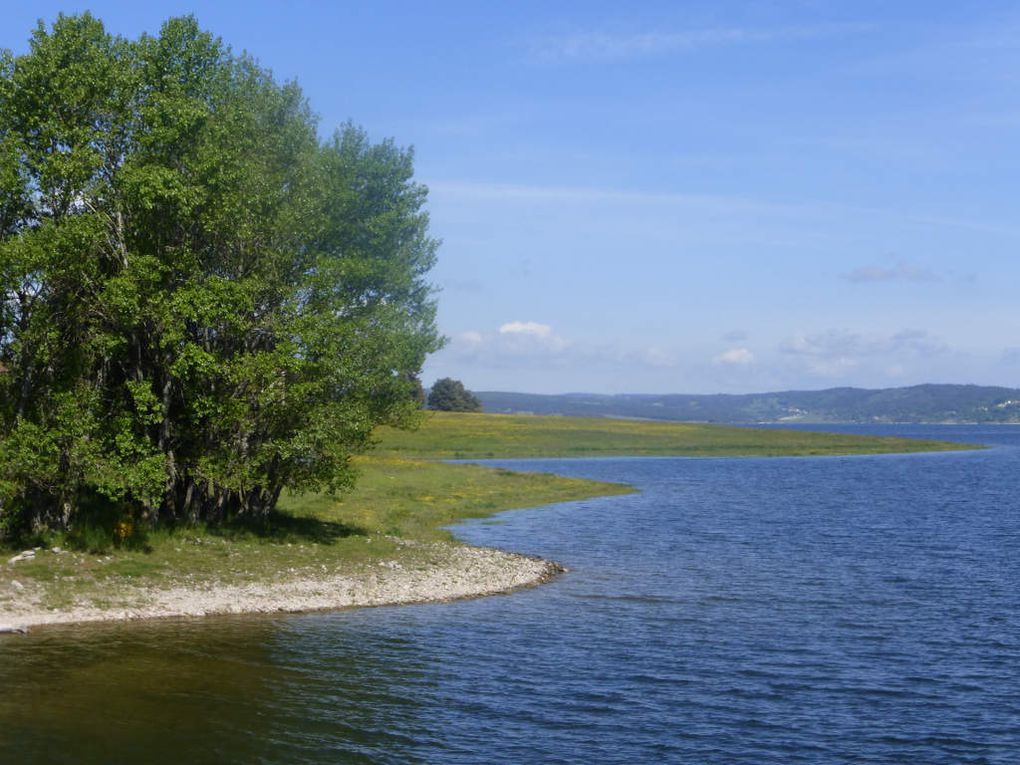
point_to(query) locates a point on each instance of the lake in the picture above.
(778, 610)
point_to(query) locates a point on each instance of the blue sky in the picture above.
(681, 197)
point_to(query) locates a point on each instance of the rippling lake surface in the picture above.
(819, 610)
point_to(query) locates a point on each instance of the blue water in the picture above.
(819, 610)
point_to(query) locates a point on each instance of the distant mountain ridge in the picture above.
(915, 404)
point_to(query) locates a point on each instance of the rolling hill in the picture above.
(916, 404)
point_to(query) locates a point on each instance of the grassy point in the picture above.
(404, 494)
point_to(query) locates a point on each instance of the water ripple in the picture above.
(859, 610)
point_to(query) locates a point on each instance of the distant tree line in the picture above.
(201, 304)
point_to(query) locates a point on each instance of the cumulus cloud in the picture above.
(735, 357)
(528, 338)
(899, 272)
(520, 340)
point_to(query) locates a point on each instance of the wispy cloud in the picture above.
(983, 52)
(704, 203)
(617, 45)
(900, 272)
(534, 345)
(837, 353)
(836, 343)
(740, 357)
(508, 192)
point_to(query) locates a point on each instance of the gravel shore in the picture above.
(456, 572)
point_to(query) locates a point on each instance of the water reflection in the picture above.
(232, 689)
(736, 611)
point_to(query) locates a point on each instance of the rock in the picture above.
(17, 585)
(27, 555)
(57, 550)
(6, 629)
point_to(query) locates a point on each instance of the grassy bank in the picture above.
(310, 536)
(403, 494)
(448, 435)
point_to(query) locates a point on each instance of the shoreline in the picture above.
(464, 572)
(320, 555)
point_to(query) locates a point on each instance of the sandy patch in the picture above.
(454, 572)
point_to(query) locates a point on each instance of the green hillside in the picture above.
(917, 404)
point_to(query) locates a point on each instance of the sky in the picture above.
(679, 197)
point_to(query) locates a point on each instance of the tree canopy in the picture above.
(449, 395)
(201, 303)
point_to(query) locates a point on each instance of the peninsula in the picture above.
(387, 541)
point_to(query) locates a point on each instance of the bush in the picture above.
(449, 395)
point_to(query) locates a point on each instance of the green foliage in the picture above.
(449, 395)
(200, 303)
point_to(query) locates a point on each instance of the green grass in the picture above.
(404, 493)
(416, 498)
(310, 535)
(449, 435)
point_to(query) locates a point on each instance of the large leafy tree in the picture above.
(201, 304)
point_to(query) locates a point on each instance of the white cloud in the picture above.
(532, 328)
(735, 357)
(470, 339)
(514, 340)
(529, 338)
(656, 357)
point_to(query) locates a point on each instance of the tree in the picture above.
(449, 395)
(200, 303)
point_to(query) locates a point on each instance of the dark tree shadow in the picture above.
(283, 527)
